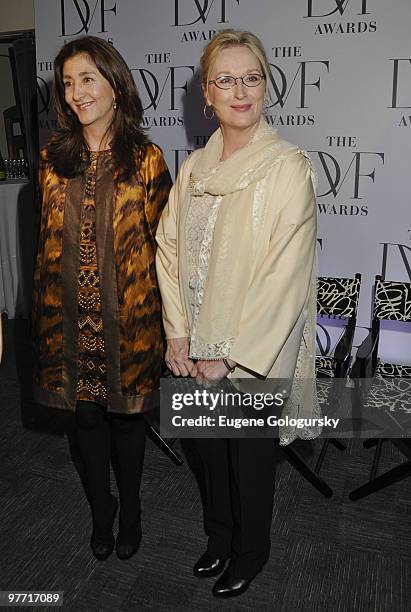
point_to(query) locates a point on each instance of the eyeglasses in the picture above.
(227, 82)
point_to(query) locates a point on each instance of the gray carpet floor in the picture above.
(327, 554)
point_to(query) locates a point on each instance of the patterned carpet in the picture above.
(327, 554)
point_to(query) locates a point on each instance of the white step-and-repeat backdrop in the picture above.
(340, 87)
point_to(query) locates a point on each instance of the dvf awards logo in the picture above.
(339, 10)
(165, 89)
(46, 116)
(335, 6)
(43, 96)
(401, 88)
(396, 260)
(81, 16)
(306, 75)
(293, 86)
(191, 12)
(347, 181)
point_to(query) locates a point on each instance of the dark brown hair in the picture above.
(67, 147)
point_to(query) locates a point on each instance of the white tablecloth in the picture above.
(18, 242)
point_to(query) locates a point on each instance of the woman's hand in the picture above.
(211, 371)
(177, 359)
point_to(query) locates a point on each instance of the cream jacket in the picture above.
(272, 306)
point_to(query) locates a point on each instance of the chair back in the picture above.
(338, 297)
(392, 300)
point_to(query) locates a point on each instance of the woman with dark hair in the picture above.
(97, 318)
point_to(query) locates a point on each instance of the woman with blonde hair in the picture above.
(235, 263)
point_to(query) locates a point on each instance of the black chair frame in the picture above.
(366, 366)
(341, 364)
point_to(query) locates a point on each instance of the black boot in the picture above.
(102, 538)
(128, 541)
(129, 434)
(93, 436)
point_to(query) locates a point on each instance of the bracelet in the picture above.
(227, 365)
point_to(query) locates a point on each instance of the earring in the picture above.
(205, 112)
(114, 104)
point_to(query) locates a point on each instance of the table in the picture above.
(18, 243)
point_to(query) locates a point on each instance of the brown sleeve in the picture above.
(158, 183)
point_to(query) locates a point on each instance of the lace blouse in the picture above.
(199, 230)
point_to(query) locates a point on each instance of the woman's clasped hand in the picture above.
(204, 371)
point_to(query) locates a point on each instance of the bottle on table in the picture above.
(2, 169)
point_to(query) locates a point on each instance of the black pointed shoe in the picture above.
(208, 566)
(102, 539)
(230, 586)
(128, 541)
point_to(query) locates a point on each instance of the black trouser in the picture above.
(237, 478)
(102, 436)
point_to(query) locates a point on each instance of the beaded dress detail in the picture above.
(91, 365)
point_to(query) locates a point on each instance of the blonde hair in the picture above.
(231, 38)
